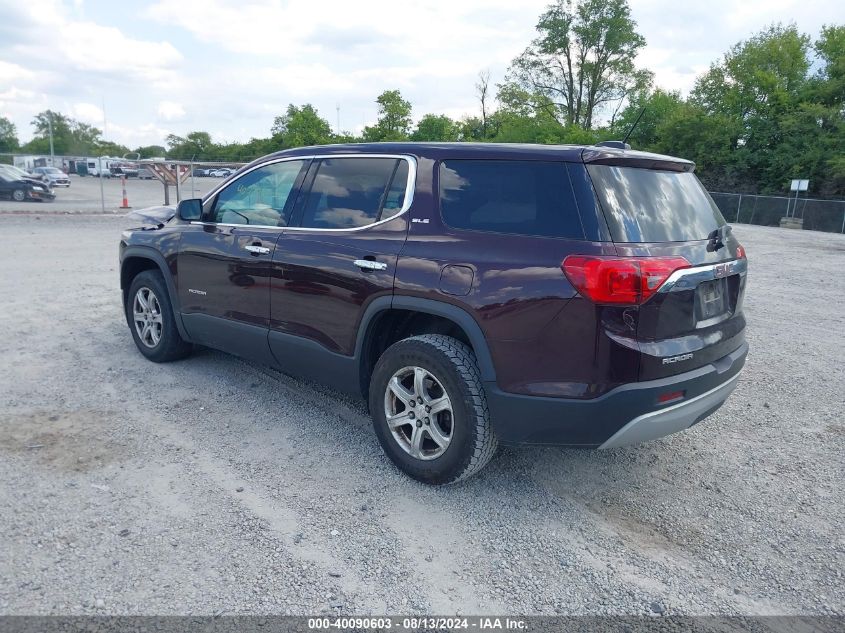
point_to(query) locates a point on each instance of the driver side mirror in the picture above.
(190, 210)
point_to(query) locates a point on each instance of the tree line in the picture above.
(772, 108)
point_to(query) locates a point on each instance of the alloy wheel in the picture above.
(419, 413)
(146, 314)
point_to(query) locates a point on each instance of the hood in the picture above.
(153, 215)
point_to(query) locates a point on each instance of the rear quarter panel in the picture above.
(542, 336)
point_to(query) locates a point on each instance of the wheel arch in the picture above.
(135, 260)
(466, 328)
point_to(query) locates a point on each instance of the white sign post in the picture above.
(797, 186)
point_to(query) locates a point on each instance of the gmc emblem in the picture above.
(723, 270)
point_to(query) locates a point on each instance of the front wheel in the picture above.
(151, 319)
(429, 409)
(19, 195)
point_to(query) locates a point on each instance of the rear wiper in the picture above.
(717, 237)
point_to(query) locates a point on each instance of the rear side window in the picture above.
(354, 192)
(509, 196)
(644, 205)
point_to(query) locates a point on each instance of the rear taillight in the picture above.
(619, 280)
(740, 251)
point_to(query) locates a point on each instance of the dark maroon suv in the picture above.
(474, 294)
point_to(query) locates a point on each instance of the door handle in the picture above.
(368, 264)
(257, 250)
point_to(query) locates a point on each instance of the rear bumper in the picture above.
(629, 414)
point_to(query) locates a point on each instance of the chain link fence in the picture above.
(818, 215)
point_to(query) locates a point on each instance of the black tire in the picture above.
(454, 366)
(19, 195)
(170, 345)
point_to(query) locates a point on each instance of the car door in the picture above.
(338, 256)
(223, 265)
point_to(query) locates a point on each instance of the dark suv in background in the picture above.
(474, 294)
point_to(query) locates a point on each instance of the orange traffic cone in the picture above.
(125, 204)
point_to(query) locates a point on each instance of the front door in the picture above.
(223, 266)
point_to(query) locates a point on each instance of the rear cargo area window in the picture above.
(509, 196)
(643, 205)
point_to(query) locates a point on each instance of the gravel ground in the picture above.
(215, 485)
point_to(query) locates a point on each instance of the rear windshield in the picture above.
(509, 196)
(643, 205)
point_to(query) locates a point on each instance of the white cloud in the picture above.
(88, 113)
(230, 66)
(170, 111)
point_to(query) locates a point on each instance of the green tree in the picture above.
(8, 136)
(829, 82)
(195, 145)
(435, 127)
(70, 137)
(111, 148)
(394, 118)
(656, 106)
(582, 62)
(705, 138)
(299, 127)
(756, 75)
(150, 151)
(86, 139)
(753, 91)
(62, 133)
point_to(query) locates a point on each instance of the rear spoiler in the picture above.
(630, 158)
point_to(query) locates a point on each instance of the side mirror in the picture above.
(190, 210)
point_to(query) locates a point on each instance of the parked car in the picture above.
(20, 188)
(144, 173)
(53, 176)
(223, 172)
(473, 294)
(129, 171)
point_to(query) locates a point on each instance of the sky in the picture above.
(144, 69)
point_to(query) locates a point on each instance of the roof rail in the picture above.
(615, 144)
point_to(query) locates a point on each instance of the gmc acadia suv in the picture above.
(474, 294)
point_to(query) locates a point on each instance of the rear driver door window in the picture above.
(353, 192)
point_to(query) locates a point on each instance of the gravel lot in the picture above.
(213, 484)
(83, 195)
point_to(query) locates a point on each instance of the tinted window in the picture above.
(643, 205)
(520, 197)
(351, 192)
(258, 197)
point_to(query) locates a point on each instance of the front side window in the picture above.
(353, 192)
(509, 196)
(260, 197)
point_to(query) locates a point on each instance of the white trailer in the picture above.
(97, 165)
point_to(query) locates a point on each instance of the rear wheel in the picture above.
(151, 319)
(430, 411)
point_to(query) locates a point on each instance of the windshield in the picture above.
(14, 171)
(643, 205)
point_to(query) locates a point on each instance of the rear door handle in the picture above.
(257, 250)
(367, 264)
